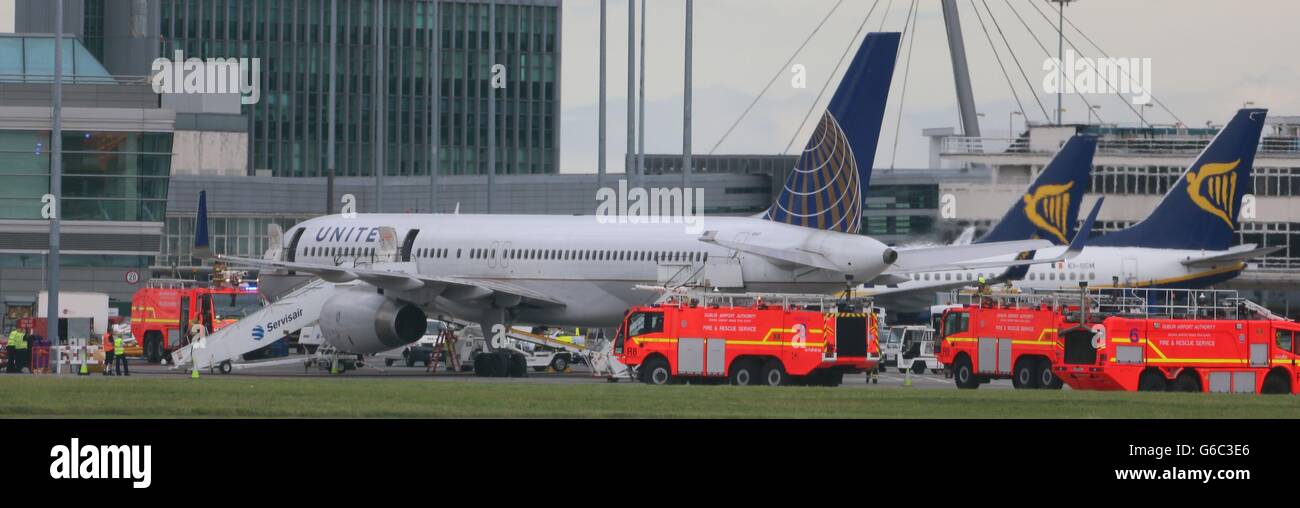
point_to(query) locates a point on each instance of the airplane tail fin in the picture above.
(826, 187)
(201, 248)
(1200, 211)
(1050, 207)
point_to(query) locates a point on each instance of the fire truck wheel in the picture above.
(1025, 374)
(225, 367)
(1046, 379)
(744, 372)
(774, 373)
(964, 375)
(1276, 382)
(1152, 381)
(1188, 381)
(657, 371)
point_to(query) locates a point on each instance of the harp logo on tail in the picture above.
(1048, 207)
(1213, 189)
(823, 190)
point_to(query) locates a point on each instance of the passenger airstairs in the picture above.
(291, 313)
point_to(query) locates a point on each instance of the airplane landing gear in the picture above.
(500, 364)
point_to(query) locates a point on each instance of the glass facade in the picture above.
(30, 59)
(107, 176)
(289, 125)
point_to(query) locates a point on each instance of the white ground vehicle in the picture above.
(910, 347)
(540, 357)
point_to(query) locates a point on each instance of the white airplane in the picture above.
(577, 271)
(1186, 242)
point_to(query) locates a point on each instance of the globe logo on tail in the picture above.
(258, 332)
(824, 189)
(1214, 189)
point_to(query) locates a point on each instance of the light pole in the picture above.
(1142, 114)
(1060, 55)
(1011, 132)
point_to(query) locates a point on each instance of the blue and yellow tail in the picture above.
(1050, 207)
(1200, 211)
(826, 187)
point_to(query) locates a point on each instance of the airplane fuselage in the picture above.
(593, 267)
(1098, 266)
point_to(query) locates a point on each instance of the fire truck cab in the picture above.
(772, 344)
(1181, 340)
(162, 311)
(1002, 336)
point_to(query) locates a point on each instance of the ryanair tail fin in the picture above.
(1200, 211)
(1050, 206)
(826, 187)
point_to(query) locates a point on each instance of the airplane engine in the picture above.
(360, 321)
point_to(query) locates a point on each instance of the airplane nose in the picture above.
(889, 256)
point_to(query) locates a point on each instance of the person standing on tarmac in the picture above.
(119, 354)
(108, 352)
(11, 350)
(17, 350)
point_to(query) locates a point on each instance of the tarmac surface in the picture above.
(579, 374)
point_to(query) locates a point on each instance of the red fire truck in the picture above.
(162, 310)
(761, 343)
(1181, 340)
(1003, 336)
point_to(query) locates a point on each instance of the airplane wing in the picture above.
(975, 256)
(1236, 254)
(454, 287)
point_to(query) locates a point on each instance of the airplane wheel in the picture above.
(516, 365)
(225, 367)
(388, 362)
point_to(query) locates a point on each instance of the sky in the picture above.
(1207, 59)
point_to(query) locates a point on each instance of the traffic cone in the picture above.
(194, 373)
(334, 367)
(907, 377)
(85, 370)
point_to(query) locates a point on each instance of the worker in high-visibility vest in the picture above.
(17, 350)
(108, 352)
(11, 350)
(119, 354)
